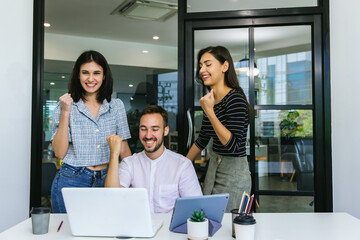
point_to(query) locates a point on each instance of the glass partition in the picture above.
(142, 56)
(285, 67)
(284, 150)
(285, 204)
(283, 119)
(149, 86)
(235, 40)
(231, 5)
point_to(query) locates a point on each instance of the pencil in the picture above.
(242, 199)
(247, 204)
(246, 201)
(60, 226)
(248, 209)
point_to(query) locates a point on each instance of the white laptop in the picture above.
(110, 212)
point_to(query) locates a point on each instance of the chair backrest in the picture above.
(47, 177)
(304, 164)
(304, 148)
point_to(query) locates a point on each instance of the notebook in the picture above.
(110, 212)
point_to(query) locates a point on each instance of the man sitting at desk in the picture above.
(166, 175)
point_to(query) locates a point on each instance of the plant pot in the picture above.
(197, 230)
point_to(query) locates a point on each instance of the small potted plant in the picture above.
(197, 226)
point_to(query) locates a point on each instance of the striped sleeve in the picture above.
(236, 113)
(204, 138)
(232, 112)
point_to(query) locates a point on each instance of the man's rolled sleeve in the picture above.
(125, 173)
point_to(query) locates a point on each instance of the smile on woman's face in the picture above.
(211, 70)
(91, 77)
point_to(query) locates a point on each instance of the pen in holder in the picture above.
(243, 215)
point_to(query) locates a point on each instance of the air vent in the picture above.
(146, 10)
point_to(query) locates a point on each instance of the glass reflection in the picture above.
(231, 5)
(235, 40)
(284, 150)
(285, 72)
(285, 204)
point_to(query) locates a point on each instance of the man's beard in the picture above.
(157, 146)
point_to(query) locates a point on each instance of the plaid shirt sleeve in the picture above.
(122, 128)
(56, 121)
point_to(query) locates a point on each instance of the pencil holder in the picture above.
(235, 213)
(244, 225)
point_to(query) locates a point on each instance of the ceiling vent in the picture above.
(146, 10)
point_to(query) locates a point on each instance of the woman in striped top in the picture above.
(226, 118)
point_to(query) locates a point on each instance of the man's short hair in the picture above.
(156, 109)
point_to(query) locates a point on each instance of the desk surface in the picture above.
(269, 226)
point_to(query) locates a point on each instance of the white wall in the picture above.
(15, 104)
(345, 98)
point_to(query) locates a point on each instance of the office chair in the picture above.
(303, 162)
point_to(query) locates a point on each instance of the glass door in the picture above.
(279, 84)
(237, 44)
(283, 119)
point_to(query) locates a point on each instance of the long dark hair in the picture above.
(231, 80)
(75, 88)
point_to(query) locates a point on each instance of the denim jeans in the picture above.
(69, 176)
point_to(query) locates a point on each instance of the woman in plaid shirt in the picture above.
(82, 120)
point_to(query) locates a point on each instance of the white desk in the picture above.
(269, 226)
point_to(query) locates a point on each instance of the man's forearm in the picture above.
(112, 177)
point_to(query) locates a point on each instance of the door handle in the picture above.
(188, 144)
